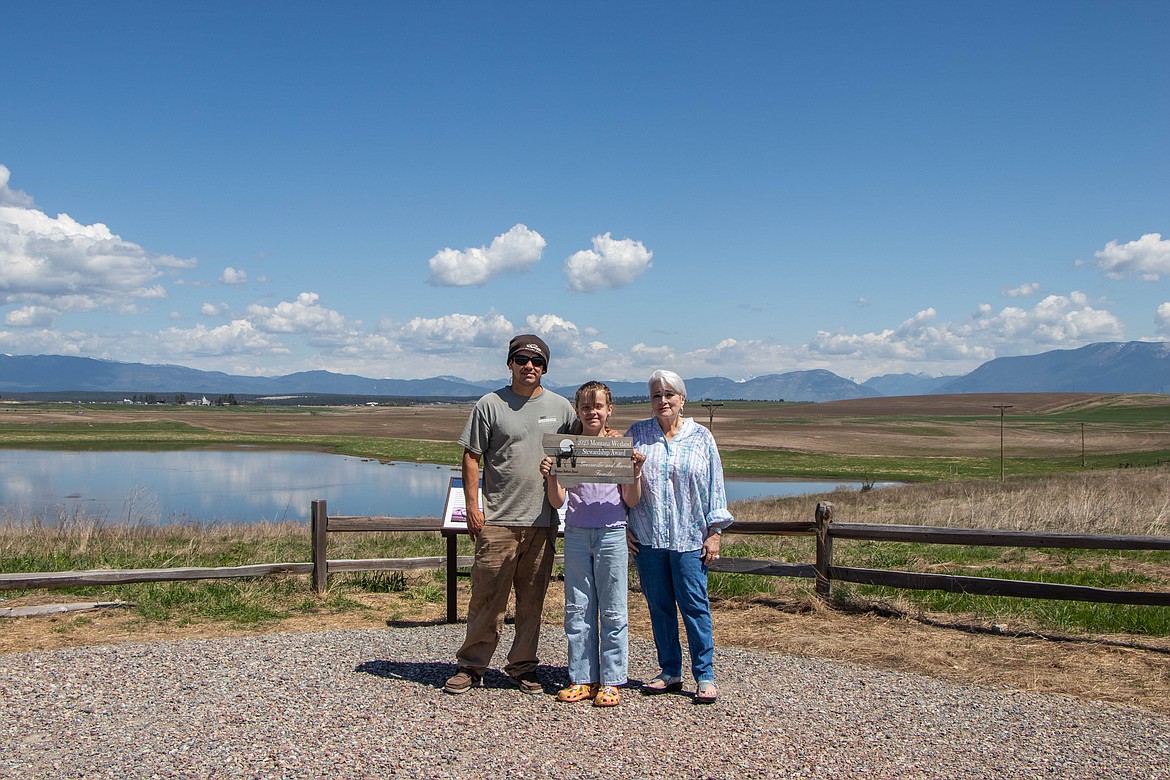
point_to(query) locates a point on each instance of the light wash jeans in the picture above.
(596, 624)
(676, 582)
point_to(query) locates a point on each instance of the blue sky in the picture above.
(394, 189)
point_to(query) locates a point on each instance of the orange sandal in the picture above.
(608, 696)
(577, 692)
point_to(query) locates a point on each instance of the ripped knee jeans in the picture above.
(596, 584)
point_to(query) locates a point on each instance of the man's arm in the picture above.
(471, 492)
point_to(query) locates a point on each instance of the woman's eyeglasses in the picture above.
(523, 360)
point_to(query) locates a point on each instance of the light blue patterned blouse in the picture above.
(682, 487)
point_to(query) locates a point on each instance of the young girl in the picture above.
(596, 559)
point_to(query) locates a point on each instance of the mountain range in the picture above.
(1130, 367)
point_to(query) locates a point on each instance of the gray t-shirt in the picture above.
(507, 429)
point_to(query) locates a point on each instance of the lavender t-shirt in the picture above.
(594, 505)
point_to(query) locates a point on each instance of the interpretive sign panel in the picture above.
(455, 512)
(580, 459)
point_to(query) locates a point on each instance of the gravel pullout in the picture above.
(366, 704)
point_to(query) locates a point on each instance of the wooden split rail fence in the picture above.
(821, 570)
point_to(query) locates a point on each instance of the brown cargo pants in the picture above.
(507, 558)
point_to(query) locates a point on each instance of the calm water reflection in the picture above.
(240, 485)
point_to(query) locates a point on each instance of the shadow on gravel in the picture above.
(434, 675)
(415, 623)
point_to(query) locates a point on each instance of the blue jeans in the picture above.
(596, 579)
(676, 582)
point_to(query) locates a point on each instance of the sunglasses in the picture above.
(523, 360)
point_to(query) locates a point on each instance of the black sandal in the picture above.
(663, 683)
(707, 692)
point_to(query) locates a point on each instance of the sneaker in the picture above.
(527, 683)
(462, 682)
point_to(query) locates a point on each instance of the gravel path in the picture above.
(365, 704)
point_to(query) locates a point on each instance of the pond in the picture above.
(243, 485)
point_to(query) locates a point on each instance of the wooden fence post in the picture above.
(452, 577)
(824, 560)
(319, 524)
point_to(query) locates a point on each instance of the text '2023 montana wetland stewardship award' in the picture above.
(580, 459)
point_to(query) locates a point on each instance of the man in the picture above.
(515, 530)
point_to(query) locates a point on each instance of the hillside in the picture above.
(1133, 367)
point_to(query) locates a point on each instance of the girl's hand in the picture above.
(546, 467)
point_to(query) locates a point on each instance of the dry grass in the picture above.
(1117, 501)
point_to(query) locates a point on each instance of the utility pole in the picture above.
(1082, 445)
(1001, 408)
(710, 407)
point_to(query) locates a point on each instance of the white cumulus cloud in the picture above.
(610, 265)
(1055, 322)
(236, 337)
(552, 328)
(1162, 319)
(516, 250)
(1058, 321)
(1148, 258)
(11, 197)
(46, 341)
(1023, 291)
(233, 276)
(562, 336)
(61, 263)
(31, 317)
(304, 315)
(454, 332)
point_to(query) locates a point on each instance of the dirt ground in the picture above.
(1120, 669)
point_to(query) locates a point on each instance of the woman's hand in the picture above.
(546, 466)
(639, 458)
(631, 543)
(711, 549)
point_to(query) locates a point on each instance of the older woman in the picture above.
(674, 533)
